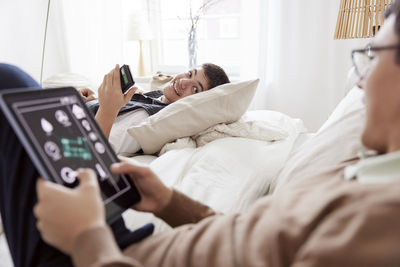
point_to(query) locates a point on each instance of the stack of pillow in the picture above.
(338, 140)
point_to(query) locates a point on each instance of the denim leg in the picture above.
(13, 77)
(17, 188)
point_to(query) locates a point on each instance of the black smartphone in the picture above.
(126, 78)
(61, 135)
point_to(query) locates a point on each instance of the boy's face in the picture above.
(185, 84)
(382, 92)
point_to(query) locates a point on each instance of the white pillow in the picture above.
(190, 115)
(352, 101)
(338, 140)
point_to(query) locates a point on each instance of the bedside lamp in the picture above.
(139, 30)
(360, 18)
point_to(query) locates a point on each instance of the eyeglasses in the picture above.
(363, 58)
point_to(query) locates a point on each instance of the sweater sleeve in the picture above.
(219, 240)
(97, 247)
(184, 210)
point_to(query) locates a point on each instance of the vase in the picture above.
(192, 47)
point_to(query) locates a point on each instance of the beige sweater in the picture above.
(322, 221)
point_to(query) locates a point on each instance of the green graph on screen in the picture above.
(76, 148)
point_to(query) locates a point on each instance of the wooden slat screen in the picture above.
(360, 18)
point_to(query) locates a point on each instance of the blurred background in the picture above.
(288, 44)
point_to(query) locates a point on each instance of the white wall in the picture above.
(22, 24)
(305, 69)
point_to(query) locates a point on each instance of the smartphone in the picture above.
(126, 78)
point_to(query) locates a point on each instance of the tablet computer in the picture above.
(60, 135)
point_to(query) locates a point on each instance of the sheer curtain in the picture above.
(303, 70)
(93, 32)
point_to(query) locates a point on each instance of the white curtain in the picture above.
(97, 35)
(303, 70)
(93, 32)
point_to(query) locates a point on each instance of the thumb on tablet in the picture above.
(87, 177)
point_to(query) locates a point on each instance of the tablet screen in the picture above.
(64, 136)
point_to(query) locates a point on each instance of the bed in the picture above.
(230, 173)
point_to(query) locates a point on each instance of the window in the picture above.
(218, 34)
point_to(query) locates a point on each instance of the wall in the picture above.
(22, 24)
(305, 70)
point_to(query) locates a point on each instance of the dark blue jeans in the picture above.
(18, 178)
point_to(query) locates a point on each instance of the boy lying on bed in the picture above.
(115, 111)
(326, 220)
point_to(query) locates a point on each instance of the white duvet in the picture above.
(251, 125)
(228, 174)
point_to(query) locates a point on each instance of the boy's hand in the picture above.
(63, 213)
(155, 195)
(111, 98)
(87, 94)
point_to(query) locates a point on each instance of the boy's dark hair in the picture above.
(215, 75)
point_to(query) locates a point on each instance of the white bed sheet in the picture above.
(5, 257)
(300, 140)
(227, 174)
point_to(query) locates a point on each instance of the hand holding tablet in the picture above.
(61, 136)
